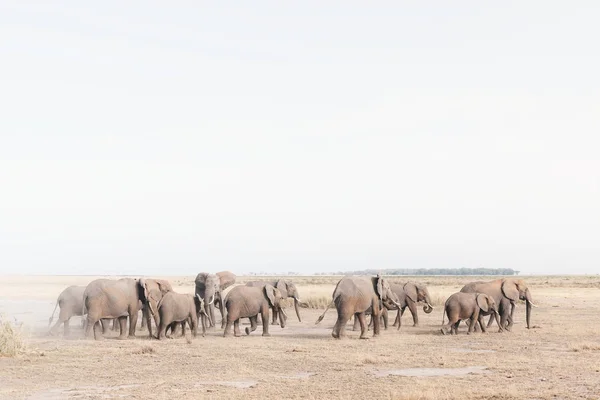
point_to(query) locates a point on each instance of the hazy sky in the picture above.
(146, 138)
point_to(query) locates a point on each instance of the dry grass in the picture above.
(583, 346)
(12, 342)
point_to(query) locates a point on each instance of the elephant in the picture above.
(155, 289)
(471, 306)
(210, 288)
(369, 311)
(287, 289)
(505, 292)
(176, 308)
(248, 302)
(106, 298)
(409, 294)
(70, 302)
(353, 296)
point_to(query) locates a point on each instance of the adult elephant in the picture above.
(288, 290)
(106, 298)
(353, 296)
(210, 288)
(409, 294)
(70, 302)
(505, 292)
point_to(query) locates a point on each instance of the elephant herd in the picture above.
(361, 296)
(120, 300)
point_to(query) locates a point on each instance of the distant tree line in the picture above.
(430, 271)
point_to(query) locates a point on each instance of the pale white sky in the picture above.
(146, 138)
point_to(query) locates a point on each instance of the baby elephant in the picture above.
(471, 306)
(248, 302)
(176, 308)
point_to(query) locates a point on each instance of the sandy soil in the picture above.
(558, 359)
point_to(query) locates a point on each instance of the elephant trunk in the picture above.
(428, 308)
(296, 301)
(282, 317)
(528, 305)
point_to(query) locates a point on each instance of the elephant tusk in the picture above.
(297, 299)
(212, 298)
(533, 305)
(283, 312)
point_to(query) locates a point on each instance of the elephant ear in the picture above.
(509, 288)
(379, 286)
(411, 291)
(282, 286)
(164, 286)
(143, 290)
(270, 294)
(201, 282)
(226, 279)
(483, 302)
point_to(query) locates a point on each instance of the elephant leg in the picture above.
(265, 319)
(481, 323)
(363, 324)
(274, 322)
(146, 317)
(412, 307)
(122, 328)
(161, 331)
(193, 325)
(253, 325)
(67, 328)
(339, 327)
(455, 326)
(133, 317)
(384, 318)
(236, 328)
(52, 330)
(355, 324)
(491, 321)
(227, 330)
(399, 318)
(473, 320)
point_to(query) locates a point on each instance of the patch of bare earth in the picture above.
(559, 359)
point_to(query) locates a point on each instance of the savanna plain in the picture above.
(559, 358)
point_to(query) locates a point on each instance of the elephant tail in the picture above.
(443, 316)
(52, 316)
(323, 315)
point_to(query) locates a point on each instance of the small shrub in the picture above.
(11, 339)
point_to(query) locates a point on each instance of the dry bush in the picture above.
(583, 346)
(11, 339)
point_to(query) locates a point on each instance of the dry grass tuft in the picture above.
(317, 302)
(11, 339)
(145, 350)
(583, 346)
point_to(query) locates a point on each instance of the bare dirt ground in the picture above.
(558, 359)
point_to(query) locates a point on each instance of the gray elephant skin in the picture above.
(107, 298)
(210, 288)
(176, 308)
(248, 302)
(472, 306)
(70, 302)
(354, 296)
(505, 292)
(288, 290)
